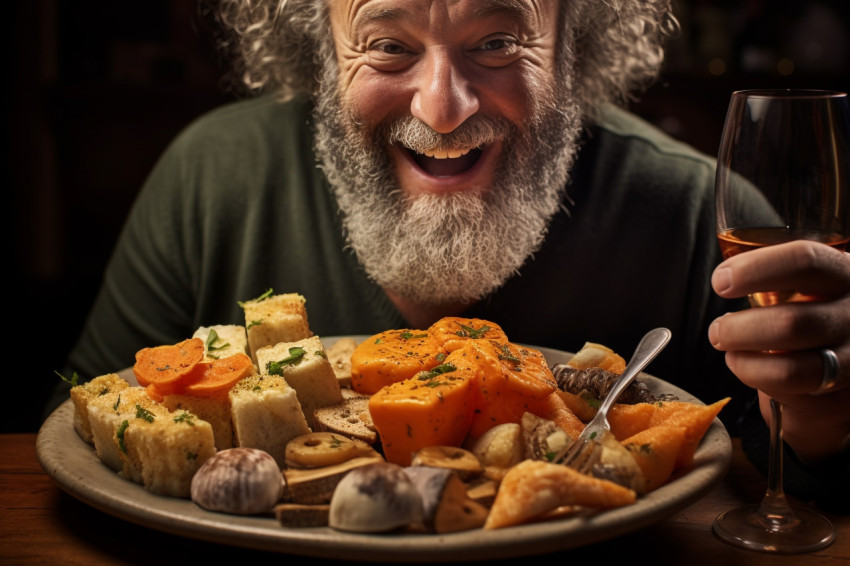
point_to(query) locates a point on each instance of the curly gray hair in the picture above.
(281, 45)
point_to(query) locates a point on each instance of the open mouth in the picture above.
(446, 163)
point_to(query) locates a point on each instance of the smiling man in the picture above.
(447, 130)
(403, 160)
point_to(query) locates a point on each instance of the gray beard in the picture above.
(457, 247)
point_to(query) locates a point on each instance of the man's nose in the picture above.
(444, 98)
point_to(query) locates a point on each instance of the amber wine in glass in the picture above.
(783, 174)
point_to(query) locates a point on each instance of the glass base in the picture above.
(748, 528)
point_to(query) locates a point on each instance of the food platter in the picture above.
(74, 465)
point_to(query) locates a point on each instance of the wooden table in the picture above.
(41, 524)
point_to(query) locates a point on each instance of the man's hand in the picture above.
(776, 349)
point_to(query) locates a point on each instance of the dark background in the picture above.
(99, 87)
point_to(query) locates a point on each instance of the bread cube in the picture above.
(266, 415)
(168, 450)
(106, 416)
(214, 410)
(305, 366)
(81, 395)
(227, 339)
(273, 319)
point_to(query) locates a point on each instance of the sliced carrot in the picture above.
(166, 366)
(217, 377)
(452, 332)
(392, 356)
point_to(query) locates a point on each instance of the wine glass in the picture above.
(783, 174)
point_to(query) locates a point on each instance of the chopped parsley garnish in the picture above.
(212, 338)
(467, 331)
(507, 355)
(185, 417)
(335, 442)
(74, 381)
(120, 434)
(435, 371)
(262, 297)
(407, 335)
(117, 402)
(144, 414)
(441, 357)
(254, 323)
(296, 354)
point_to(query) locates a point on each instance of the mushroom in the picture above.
(446, 507)
(617, 464)
(375, 498)
(244, 481)
(499, 449)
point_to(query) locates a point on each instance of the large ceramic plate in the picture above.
(74, 465)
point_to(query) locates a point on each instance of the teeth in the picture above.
(447, 153)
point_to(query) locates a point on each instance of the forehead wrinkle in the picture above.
(515, 8)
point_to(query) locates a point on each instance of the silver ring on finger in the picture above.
(829, 381)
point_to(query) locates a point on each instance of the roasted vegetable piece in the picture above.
(655, 450)
(499, 449)
(434, 408)
(319, 449)
(461, 461)
(375, 498)
(217, 377)
(392, 356)
(446, 508)
(695, 419)
(165, 367)
(452, 332)
(533, 488)
(244, 481)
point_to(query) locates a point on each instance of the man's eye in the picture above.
(389, 48)
(498, 44)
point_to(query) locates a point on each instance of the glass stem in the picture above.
(775, 511)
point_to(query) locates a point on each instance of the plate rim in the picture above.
(75, 467)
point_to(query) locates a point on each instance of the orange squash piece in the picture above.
(165, 367)
(452, 332)
(392, 356)
(695, 419)
(583, 407)
(656, 451)
(628, 420)
(517, 381)
(432, 408)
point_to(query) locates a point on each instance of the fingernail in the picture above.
(721, 279)
(714, 333)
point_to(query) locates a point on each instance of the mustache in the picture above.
(476, 131)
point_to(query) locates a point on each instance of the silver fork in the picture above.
(583, 453)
